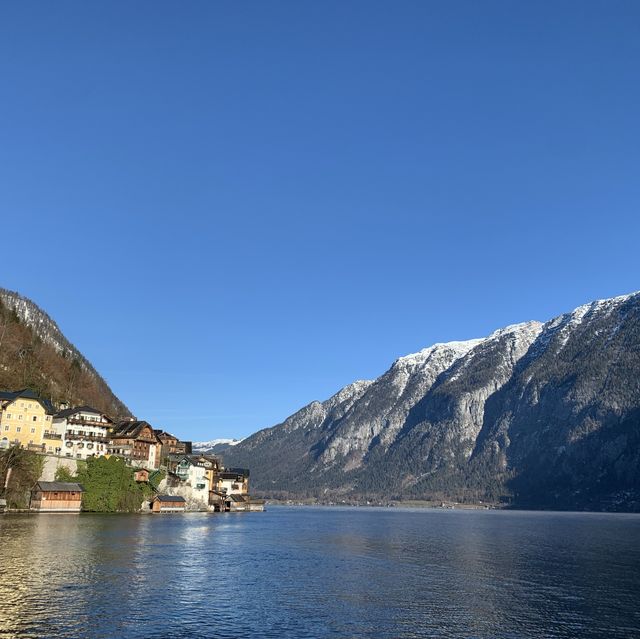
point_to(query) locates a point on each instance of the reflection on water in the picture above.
(320, 572)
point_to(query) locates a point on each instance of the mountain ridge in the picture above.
(475, 421)
(35, 353)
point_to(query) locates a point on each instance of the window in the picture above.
(17, 429)
(48, 417)
(35, 418)
(33, 430)
(6, 428)
(19, 416)
(8, 415)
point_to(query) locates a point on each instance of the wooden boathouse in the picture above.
(56, 497)
(168, 504)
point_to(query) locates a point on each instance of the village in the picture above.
(177, 480)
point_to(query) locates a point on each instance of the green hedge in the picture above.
(109, 486)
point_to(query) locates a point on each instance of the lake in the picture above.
(321, 572)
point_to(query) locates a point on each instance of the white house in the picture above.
(84, 432)
(192, 475)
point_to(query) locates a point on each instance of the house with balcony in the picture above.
(136, 442)
(24, 418)
(79, 432)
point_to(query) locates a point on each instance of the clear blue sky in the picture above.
(234, 208)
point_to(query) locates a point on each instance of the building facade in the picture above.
(233, 481)
(24, 418)
(84, 433)
(136, 442)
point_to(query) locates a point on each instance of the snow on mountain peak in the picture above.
(457, 348)
(532, 327)
(215, 442)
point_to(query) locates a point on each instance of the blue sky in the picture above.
(234, 208)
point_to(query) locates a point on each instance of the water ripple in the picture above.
(315, 573)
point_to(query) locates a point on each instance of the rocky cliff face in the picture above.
(34, 353)
(540, 415)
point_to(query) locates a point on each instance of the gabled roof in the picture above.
(130, 429)
(238, 471)
(59, 486)
(163, 434)
(80, 409)
(27, 393)
(194, 460)
(178, 457)
(231, 473)
(170, 498)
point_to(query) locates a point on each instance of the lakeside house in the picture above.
(197, 482)
(191, 476)
(56, 497)
(233, 481)
(231, 492)
(168, 504)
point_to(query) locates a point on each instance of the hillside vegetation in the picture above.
(35, 354)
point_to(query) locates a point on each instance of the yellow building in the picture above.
(24, 419)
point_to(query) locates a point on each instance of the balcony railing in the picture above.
(86, 422)
(48, 435)
(85, 438)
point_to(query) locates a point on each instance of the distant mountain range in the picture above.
(214, 446)
(35, 354)
(534, 415)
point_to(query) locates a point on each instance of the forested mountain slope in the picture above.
(537, 415)
(35, 354)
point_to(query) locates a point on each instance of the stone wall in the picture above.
(52, 463)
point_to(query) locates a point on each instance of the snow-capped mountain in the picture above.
(214, 445)
(539, 414)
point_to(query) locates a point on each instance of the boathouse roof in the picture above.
(59, 487)
(170, 498)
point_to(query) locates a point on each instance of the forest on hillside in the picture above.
(28, 361)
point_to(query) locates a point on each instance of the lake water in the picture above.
(321, 572)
